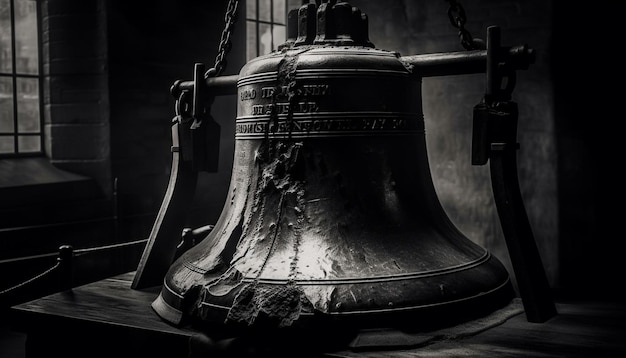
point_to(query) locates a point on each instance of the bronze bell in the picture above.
(331, 214)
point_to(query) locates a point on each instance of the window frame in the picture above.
(255, 18)
(14, 75)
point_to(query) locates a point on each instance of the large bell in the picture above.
(331, 213)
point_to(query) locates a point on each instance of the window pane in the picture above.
(28, 144)
(7, 145)
(26, 57)
(251, 9)
(279, 12)
(265, 10)
(279, 35)
(28, 105)
(265, 41)
(6, 105)
(294, 4)
(5, 37)
(251, 40)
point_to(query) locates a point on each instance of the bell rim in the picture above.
(170, 306)
(418, 318)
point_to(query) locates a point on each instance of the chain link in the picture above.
(230, 18)
(456, 14)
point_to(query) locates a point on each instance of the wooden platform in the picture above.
(101, 319)
(108, 319)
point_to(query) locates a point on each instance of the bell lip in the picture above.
(418, 317)
(503, 292)
(498, 297)
(170, 303)
(166, 311)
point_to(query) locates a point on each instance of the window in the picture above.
(266, 22)
(20, 79)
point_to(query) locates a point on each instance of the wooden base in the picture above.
(109, 319)
(101, 319)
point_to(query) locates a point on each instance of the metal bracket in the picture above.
(494, 139)
(195, 148)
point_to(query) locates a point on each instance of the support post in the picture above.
(66, 267)
(195, 148)
(495, 140)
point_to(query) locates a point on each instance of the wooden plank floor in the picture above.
(109, 318)
(581, 329)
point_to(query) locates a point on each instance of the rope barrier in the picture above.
(80, 252)
(30, 280)
(26, 258)
(77, 253)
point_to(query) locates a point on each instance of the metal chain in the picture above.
(230, 18)
(456, 14)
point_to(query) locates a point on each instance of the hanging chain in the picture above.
(456, 14)
(230, 18)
